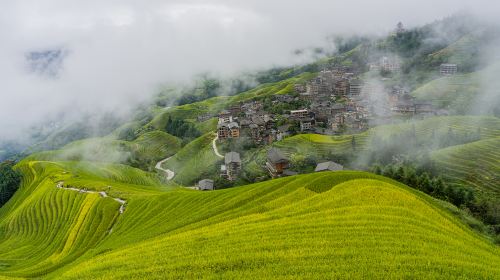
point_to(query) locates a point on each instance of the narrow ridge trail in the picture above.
(214, 147)
(170, 174)
(60, 185)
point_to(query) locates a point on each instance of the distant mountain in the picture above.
(46, 62)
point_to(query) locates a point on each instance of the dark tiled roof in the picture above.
(206, 184)
(328, 166)
(232, 157)
(275, 156)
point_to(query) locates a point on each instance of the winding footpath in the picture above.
(103, 194)
(170, 174)
(214, 147)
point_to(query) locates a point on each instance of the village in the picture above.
(338, 100)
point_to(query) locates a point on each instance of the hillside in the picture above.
(346, 224)
(475, 164)
(194, 161)
(428, 134)
(216, 104)
(460, 93)
(143, 152)
(103, 197)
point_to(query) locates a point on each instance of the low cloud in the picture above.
(115, 54)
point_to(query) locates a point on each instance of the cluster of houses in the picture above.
(387, 63)
(248, 120)
(402, 103)
(338, 101)
(277, 164)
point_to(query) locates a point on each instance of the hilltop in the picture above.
(320, 224)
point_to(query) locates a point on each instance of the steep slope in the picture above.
(43, 227)
(428, 134)
(216, 104)
(333, 224)
(195, 160)
(361, 228)
(143, 152)
(453, 92)
(475, 164)
(322, 146)
(461, 94)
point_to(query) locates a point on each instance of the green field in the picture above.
(326, 225)
(145, 151)
(216, 104)
(461, 93)
(475, 164)
(199, 154)
(195, 161)
(43, 228)
(323, 146)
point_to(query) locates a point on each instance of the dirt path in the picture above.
(103, 194)
(170, 174)
(214, 147)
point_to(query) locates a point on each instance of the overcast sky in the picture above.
(116, 53)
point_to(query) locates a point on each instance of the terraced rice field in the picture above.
(155, 145)
(323, 225)
(194, 161)
(216, 104)
(475, 164)
(322, 145)
(149, 148)
(44, 227)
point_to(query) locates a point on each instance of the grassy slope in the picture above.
(302, 227)
(200, 155)
(156, 145)
(459, 92)
(460, 52)
(216, 104)
(475, 164)
(454, 92)
(194, 161)
(43, 228)
(322, 145)
(149, 147)
(365, 226)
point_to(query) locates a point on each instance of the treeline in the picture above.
(423, 177)
(424, 181)
(207, 88)
(211, 87)
(181, 128)
(9, 181)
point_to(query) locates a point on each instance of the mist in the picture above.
(68, 59)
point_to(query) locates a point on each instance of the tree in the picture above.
(439, 187)
(298, 161)
(388, 171)
(181, 128)
(222, 183)
(377, 169)
(424, 183)
(353, 143)
(9, 181)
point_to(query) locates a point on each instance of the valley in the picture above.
(378, 160)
